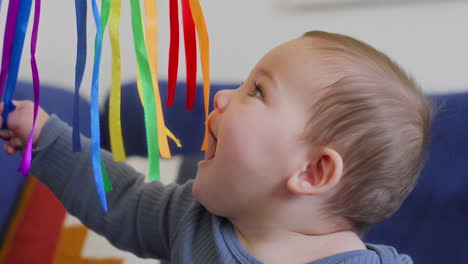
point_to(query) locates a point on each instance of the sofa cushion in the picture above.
(53, 100)
(432, 225)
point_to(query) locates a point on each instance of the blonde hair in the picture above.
(379, 120)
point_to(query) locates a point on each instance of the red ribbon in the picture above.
(190, 39)
(173, 51)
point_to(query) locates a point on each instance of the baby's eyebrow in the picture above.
(269, 75)
(265, 72)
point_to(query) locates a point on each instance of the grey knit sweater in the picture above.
(150, 219)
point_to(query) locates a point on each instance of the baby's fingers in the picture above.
(16, 143)
(13, 146)
(1, 119)
(9, 149)
(6, 134)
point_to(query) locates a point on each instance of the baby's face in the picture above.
(256, 132)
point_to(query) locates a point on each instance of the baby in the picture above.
(325, 139)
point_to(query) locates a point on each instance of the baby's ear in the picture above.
(317, 175)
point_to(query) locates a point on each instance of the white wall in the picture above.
(429, 40)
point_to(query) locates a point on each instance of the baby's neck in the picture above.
(276, 245)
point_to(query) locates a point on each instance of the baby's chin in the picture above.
(212, 205)
(198, 193)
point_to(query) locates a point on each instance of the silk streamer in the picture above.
(25, 164)
(15, 60)
(204, 48)
(8, 38)
(151, 38)
(115, 124)
(190, 41)
(106, 181)
(95, 129)
(104, 18)
(140, 95)
(139, 89)
(80, 11)
(148, 92)
(173, 137)
(173, 52)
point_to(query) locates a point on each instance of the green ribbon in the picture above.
(148, 93)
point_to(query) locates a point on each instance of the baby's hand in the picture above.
(20, 122)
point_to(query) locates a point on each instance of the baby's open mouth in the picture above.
(212, 142)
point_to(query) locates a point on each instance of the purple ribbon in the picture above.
(25, 164)
(8, 38)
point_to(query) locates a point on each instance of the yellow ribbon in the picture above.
(204, 48)
(140, 94)
(151, 40)
(115, 127)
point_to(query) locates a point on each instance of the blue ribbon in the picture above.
(95, 130)
(18, 43)
(8, 38)
(80, 10)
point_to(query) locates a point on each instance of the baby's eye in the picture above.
(257, 92)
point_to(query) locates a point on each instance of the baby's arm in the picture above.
(143, 217)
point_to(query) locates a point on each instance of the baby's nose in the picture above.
(221, 100)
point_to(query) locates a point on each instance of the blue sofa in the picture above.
(431, 225)
(53, 100)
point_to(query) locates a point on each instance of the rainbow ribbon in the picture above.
(104, 18)
(114, 104)
(192, 18)
(151, 37)
(80, 11)
(190, 39)
(15, 60)
(95, 130)
(168, 132)
(147, 70)
(204, 48)
(148, 92)
(25, 164)
(8, 39)
(173, 51)
(115, 124)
